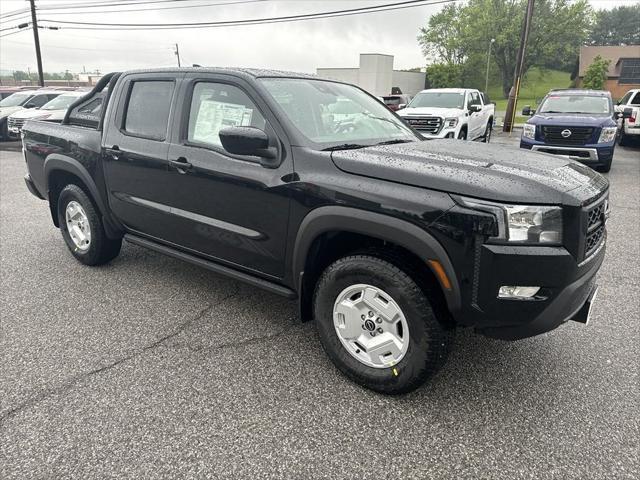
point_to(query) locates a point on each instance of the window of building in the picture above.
(629, 71)
(148, 108)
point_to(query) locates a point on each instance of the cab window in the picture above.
(147, 111)
(215, 106)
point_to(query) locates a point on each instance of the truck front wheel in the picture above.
(463, 134)
(377, 325)
(82, 228)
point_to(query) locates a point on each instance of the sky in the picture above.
(300, 46)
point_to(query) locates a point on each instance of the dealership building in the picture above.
(376, 75)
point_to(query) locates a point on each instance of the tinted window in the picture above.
(625, 99)
(147, 112)
(575, 104)
(438, 100)
(474, 99)
(91, 107)
(635, 100)
(215, 106)
(40, 100)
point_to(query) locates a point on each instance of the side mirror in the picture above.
(627, 112)
(526, 111)
(475, 108)
(401, 106)
(30, 105)
(249, 141)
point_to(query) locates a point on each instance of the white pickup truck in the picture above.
(461, 113)
(629, 127)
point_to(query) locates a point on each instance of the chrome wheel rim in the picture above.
(78, 225)
(371, 326)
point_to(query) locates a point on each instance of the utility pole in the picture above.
(515, 89)
(36, 39)
(177, 52)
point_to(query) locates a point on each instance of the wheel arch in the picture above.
(384, 228)
(61, 170)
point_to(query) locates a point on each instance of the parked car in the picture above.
(52, 111)
(6, 91)
(396, 102)
(577, 124)
(461, 113)
(386, 240)
(19, 101)
(628, 110)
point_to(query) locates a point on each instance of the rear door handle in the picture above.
(114, 152)
(181, 164)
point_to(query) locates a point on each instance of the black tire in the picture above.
(463, 134)
(101, 249)
(487, 132)
(429, 339)
(623, 141)
(4, 130)
(605, 168)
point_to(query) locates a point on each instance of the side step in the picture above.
(214, 267)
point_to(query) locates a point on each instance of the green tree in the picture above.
(19, 75)
(441, 75)
(595, 76)
(460, 35)
(620, 25)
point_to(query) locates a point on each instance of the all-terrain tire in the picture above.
(100, 249)
(429, 340)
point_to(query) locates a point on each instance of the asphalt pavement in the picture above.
(153, 368)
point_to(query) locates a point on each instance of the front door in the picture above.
(228, 207)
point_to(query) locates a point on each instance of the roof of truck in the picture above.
(579, 91)
(237, 71)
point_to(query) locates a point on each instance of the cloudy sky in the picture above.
(301, 46)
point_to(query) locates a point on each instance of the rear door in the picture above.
(135, 147)
(476, 119)
(226, 206)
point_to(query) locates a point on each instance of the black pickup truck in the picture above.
(314, 190)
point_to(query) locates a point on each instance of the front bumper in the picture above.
(590, 154)
(566, 286)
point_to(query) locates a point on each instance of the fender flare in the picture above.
(376, 225)
(57, 162)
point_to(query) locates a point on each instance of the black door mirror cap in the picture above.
(627, 112)
(249, 141)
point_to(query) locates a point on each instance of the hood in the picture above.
(27, 113)
(429, 111)
(6, 111)
(484, 171)
(582, 120)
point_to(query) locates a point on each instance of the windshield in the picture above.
(438, 100)
(335, 113)
(60, 103)
(16, 99)
(576, 104)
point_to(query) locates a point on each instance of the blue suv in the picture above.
(579, 124)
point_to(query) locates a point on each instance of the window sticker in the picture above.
(213, 116)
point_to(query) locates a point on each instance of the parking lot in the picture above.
(149, 367)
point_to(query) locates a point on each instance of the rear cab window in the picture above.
(147, 109)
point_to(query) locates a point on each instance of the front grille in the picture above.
(595, 217)
(431, 125)
(572, 135)
(15, 123)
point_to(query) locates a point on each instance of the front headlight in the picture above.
(608, 134)
(526, 224)
(529, 131)
(450, 122)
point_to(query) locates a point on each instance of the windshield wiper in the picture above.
(397, 140)
(345, 146)
(382, 119)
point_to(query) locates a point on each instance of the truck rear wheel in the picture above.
(377, 325)
(82, 228)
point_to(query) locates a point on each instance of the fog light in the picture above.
(512, 291)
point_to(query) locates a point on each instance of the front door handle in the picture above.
(181, 164)
(114, 152)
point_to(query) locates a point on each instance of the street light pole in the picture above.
(486, 82)
(36, 39)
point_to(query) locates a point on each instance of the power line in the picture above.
(115, 4)
(255, 21)
(155, 9)
(158, 50)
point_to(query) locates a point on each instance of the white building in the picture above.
(376, 75)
